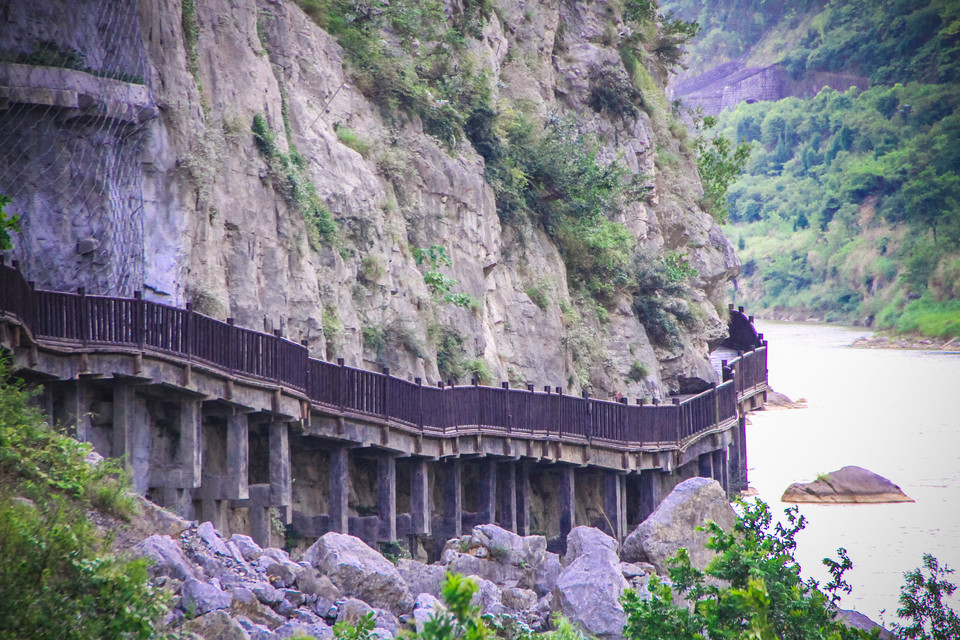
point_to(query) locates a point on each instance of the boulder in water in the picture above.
(849, 485)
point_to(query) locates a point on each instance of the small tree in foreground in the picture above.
(921, 602)
(762, 595)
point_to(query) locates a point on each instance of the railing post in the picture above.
(506, 405)
(82, 320)
(386, 392)
(138, 319)
(276, 354)
(679, 413)
(232, 356)
(589, 413)
(476, 394)
(716, 404)
(559, 412)
(342, 384)
(419, 383)
(306, 368)
(621, 426)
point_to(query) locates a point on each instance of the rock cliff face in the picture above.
(167, 191)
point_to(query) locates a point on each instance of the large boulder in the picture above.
(673, 525)
(495, 554)
(167, 556)
(589, 588)
(216, 625)
(201, 597)
(420, 577)
(850, 484)
(359, 571)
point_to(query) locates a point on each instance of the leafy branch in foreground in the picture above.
(763, 596)
(921, 602)
(7, 224)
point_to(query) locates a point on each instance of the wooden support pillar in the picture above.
(719, 464)
(487, 511)
(260, 514)
(507, 486)
(214, 510)
(76, 404)
(523, 498)
(124, 423)
(339, 489)
(178, 500)
(742, 462)
(191, 442)
(614, 503)
(651, 492)
(281, 493)
(705, 465)
(452, 500)
(568, 501)
(238, 456)
(420, 497)
(387, 499)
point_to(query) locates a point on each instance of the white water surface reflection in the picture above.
(894, 412)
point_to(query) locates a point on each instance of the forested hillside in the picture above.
(849, 208)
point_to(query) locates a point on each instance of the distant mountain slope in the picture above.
(850, 205)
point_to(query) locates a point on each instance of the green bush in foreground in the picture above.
(764, 596)
(57, 576)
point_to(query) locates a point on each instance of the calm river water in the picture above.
(896, 413)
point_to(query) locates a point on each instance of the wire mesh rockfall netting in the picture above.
(73, 114)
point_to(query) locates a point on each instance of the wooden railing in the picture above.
(93, 321)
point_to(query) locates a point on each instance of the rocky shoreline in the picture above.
(907, 342)
(234, 589)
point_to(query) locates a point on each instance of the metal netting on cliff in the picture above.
(73, 115)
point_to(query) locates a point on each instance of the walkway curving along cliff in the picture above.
(242, 427)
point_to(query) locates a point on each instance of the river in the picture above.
(896, 413)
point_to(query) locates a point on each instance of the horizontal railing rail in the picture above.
(89, 320)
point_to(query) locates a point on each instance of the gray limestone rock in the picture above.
(550, 570)
(248, 548)
(518, 599)
(359, 571)
(584, 540)
(319, 631)
(168, 558)
(216, 625)
(202, 597)
(211, 536)
(851, 484)
(351, 610)
(424, 607)
(420, 577)
(588, 591)
(674, 525)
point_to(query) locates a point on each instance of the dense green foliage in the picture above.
(7, 224)
(57, 576)
(755, 589)
(921, 604)
(850, 202)
(296, 184)
(424, 69)
(886, 41)
(850, 206)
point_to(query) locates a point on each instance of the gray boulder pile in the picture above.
(232, 588)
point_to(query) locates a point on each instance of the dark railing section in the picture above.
(144, 325)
